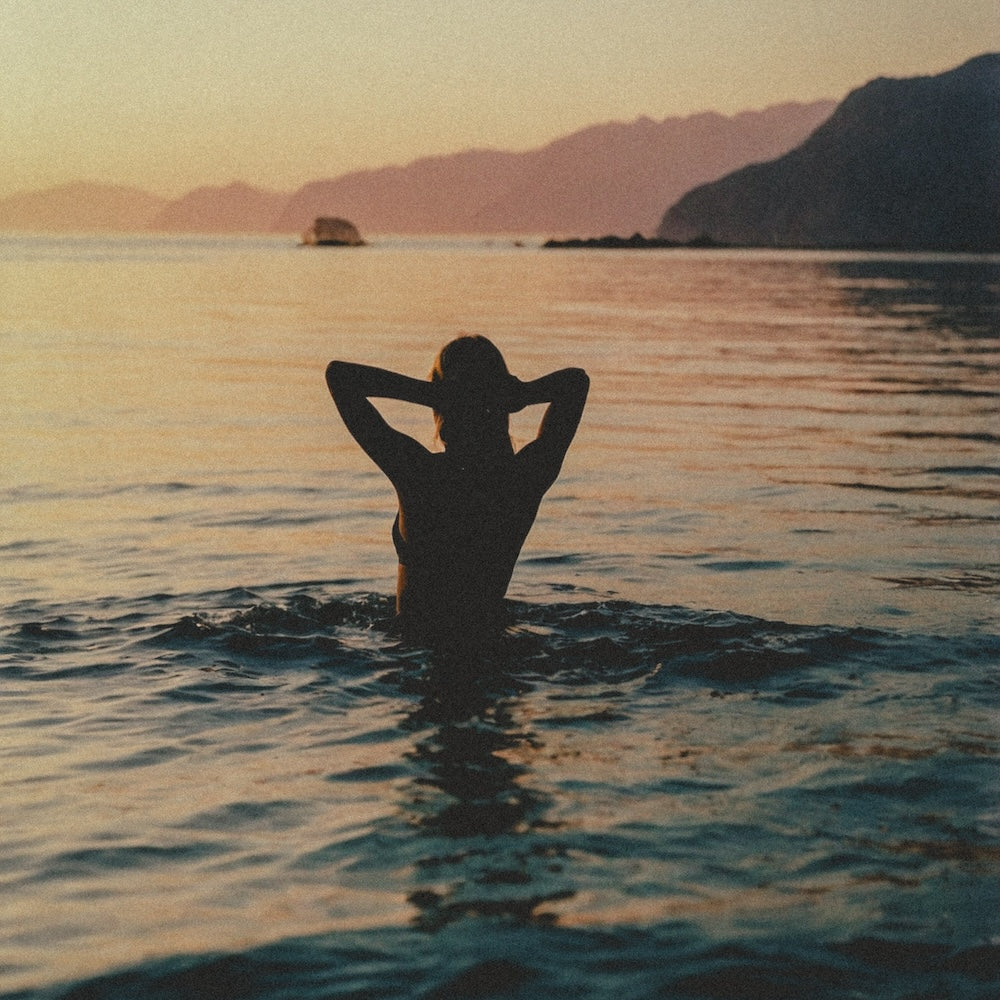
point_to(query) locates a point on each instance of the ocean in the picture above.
(740, 739)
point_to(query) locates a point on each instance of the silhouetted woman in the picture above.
(464, 513)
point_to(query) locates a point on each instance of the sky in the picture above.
(168, 96)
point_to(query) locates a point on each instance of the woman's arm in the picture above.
(344, 377)
(566, 393)
(352, 386)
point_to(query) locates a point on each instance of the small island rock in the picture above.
(332, 232)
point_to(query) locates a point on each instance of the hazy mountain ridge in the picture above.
(81, 206)
(432, 194)
(614, 177)
(610, 177)
(901, 163)
(235, 208)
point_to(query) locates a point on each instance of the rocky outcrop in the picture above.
(329, 231)
(634, 242)
(904, 164)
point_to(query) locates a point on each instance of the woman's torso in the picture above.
(458, 533)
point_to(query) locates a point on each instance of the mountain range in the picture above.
(81, 206)
(614, 177)
(908, 164)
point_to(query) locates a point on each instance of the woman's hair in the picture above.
(476, 373)
(470, 358)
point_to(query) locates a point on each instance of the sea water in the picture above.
(740, 739)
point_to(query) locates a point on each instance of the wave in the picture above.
(284, 626)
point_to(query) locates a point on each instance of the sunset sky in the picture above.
(169, 96)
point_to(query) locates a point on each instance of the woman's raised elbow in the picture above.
(337, 375)
(578, 380)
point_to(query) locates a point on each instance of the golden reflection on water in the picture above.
(752, 409)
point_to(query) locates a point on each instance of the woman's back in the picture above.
(458, 534)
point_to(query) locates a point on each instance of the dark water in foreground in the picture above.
(623, 800)
(222, 774)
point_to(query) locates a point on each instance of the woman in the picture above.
(463, 513)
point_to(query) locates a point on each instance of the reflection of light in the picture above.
(473, 800)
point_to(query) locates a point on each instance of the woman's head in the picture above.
(470, 360)
(475, 374)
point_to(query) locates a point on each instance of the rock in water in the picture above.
(332, 232)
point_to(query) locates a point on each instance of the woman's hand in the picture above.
(514, 398)
(567, 385)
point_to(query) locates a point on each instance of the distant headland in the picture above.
(909, 164)
(906, 165)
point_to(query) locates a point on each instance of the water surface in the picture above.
(740, 741)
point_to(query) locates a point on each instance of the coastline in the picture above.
(634, 242)
(639, 242)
